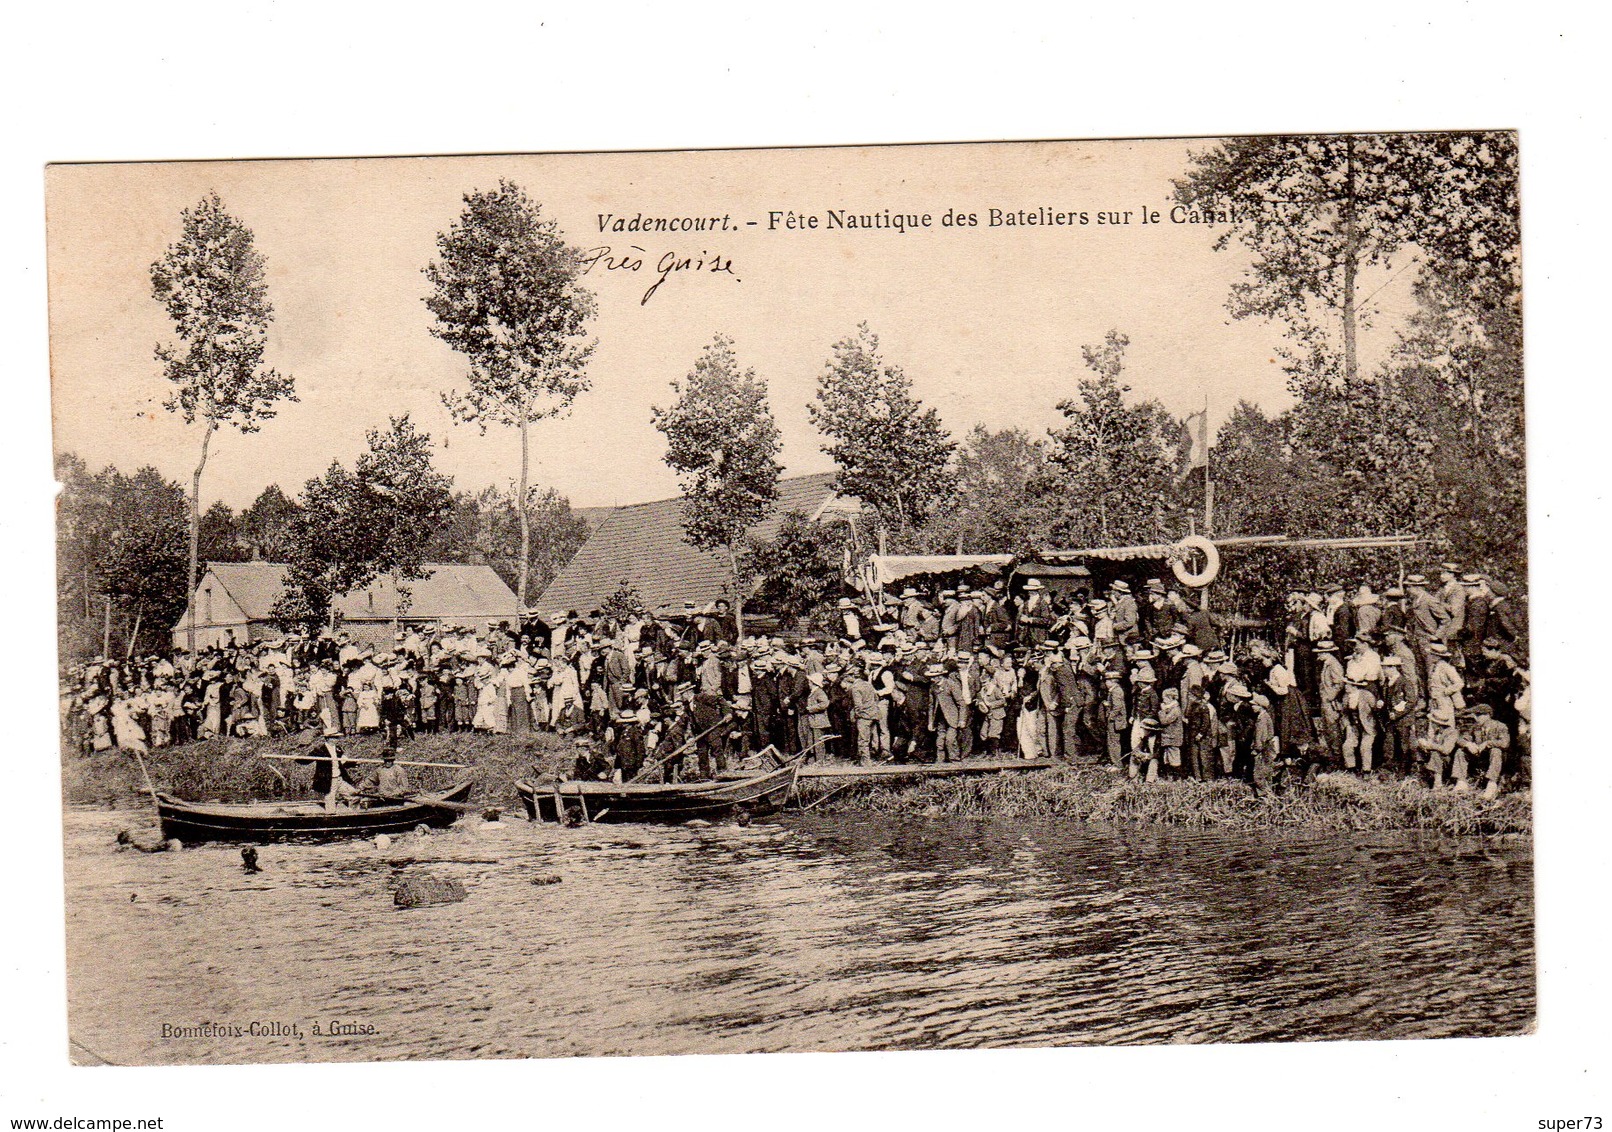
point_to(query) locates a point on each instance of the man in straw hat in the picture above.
(1362, 675)
(1034, 614)
(1444, 684)
(1487, 740)
(1439, 743)
(1330, 683)
(1050, 686)
(1401, 707)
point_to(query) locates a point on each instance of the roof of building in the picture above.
(453, 590)
(253, 586)
(642, 545)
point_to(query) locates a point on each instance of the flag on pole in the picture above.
(1197, 428)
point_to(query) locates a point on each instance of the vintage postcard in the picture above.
(904, 597)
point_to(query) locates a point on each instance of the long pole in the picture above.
(350, 759)
(1208, 496)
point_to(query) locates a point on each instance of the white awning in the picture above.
(889, 568)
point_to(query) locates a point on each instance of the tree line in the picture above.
(1429, 443)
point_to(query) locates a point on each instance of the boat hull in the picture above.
(262, 823)
(660, 804)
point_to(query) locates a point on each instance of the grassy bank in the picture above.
(229, 770)
(1334, 802)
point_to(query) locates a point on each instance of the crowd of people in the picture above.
(1422, 680)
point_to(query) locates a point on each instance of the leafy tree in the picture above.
(1312, 212)
(1432, 442)
(218, 536)
(893, 453)
(484, 528)
(353, 526)
(1116, 464)
(506, 293)
(623, 604)
(998, 499)
(120, 558)
(800, 569)
(265, 526)
(211, 282)
(723, 443)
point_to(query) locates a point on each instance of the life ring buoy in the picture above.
(1211, 562)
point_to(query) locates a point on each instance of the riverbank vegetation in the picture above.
(231, 771)
(1340, 802)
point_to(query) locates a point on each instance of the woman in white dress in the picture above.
(369, 705)
(126, 728)
(491, 714)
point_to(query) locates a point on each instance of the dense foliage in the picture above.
(723, 443)
(506, 294)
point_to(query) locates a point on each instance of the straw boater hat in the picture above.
(908, 591)
(1121, 586)
(1472, 579)
(1049, 645)
(1097, 603)
(1034, 584)
(1452, 567)
(1325, 645)
(1392, 662)
(935, 670)
(845, 603)
(1438, 648)
(1415, 579)
(1191, 650)
(1155, 586)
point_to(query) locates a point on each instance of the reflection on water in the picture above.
(819, 933)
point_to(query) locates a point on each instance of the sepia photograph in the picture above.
(866, 598)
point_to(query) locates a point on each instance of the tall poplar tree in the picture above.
(506, 293)
(723, 443)
(892, 451)
(211, 282)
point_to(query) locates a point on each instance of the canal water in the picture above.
(815, 933)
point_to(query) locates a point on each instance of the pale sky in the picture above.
(988, 322)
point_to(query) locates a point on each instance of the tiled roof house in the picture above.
(642, 544)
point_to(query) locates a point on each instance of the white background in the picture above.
(170, 80)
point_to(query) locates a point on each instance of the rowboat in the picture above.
(653, 802)
(303, 821)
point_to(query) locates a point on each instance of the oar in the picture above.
(150, 789)
(726, 719)
(680, 750)
(422, 800)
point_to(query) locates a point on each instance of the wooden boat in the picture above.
(191, 822)
(752, 795)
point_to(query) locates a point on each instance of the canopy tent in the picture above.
(1049, 570)
(888, 568)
